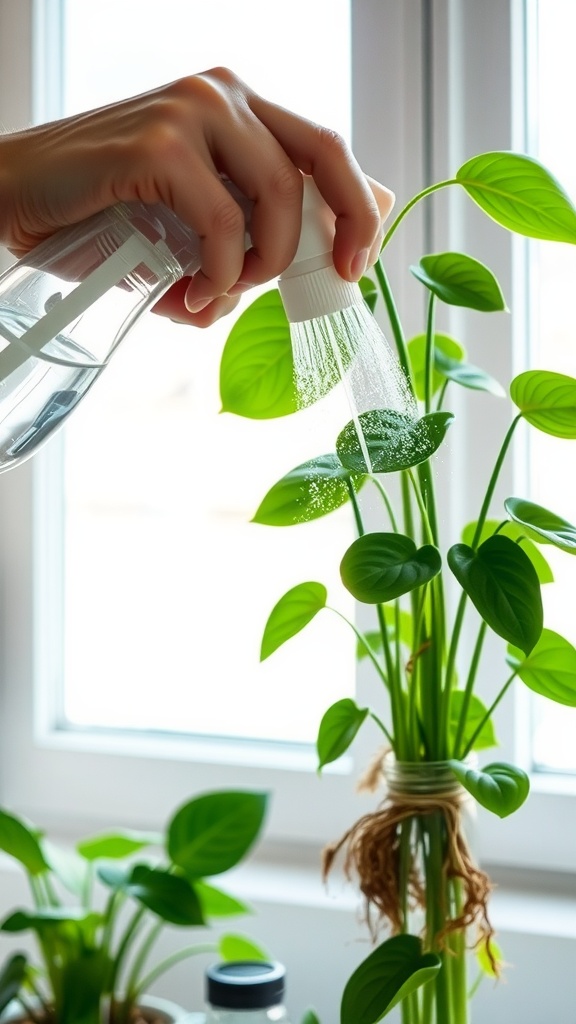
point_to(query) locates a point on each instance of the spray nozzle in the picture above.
(310, 287)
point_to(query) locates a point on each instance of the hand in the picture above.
(171, 145)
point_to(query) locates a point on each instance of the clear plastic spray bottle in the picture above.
(246, 992)
(66, 306)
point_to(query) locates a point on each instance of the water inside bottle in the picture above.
(37, 396)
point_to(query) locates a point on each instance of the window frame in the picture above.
(436, 119)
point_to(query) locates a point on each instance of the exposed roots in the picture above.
(372, 852)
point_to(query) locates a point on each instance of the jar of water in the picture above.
(246, 992)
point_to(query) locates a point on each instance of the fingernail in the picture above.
(359, 264)
(198, 306)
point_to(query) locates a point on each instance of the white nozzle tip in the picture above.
(317, 293)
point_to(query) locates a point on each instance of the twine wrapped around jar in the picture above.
(390, 882)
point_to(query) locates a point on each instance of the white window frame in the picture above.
(96, 780)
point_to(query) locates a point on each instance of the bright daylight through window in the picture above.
(161, 561)
(552, 84)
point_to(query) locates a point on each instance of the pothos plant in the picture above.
(96, 942)
(430, 709)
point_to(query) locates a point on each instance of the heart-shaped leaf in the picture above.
(394, 970)
(309, 491)
(21, 842)
(394, 441)
(550, 669)
(520, 194)
(476, 713)
(460, 280)
(543, 525)
(502, 583)
(171, 897)
(379, 567)
(443, 345)
(499, 787)
(547, 401)
(213, 832)
(338, 729)
(292, 612)
(257, 366)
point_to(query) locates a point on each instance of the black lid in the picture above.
(245, 984)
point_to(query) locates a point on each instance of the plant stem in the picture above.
(437, 906)
(385, 498)
(130, 934)
(429, 360)
(416, 199)
(493, 480)
(488, 715)
(132, 986)
(355, 507)
(469, 687)
(360, 636)
(170, 961)
(395, 323)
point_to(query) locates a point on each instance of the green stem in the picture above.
(132, 986)
(493, 480)
(386, 499)
(488, 715)
(475, 661)
(437, 904)
(394, 688)
(429, 360)
(416, 199)
(427, 528)
(355, 507)
(362, 639)
(170, 961)
(395, 324)
(130, 934)
(381, 725)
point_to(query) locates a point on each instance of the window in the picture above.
(421, 104)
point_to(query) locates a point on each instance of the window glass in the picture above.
(552, 85)
(167, 583)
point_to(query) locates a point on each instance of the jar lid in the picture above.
(245, 984)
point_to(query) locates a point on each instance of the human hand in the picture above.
(171, 145)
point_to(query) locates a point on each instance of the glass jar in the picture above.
(246, 992)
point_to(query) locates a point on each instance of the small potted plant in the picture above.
(96, 940)
(418, 877)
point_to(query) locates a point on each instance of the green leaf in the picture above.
(547, 401)
(476, 714)
(307, 492)
(502, 583)
(514, 531)
(394, 440)
(445, 346)
(238, 947)
(12, 978)
(489, 957)
(69, 868)
(71, 921)
(217, 903)
(460, 280)
(171, 897)
(379, 567)
(394, 970)
(212, 833)
(291, 614)
(467, 375)
(549, 669)
(545, 526)
(500, 788)
(520, 194)
(338, 728)
(115, 846)
(20, 842)
(257, 367)
(369, 292)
